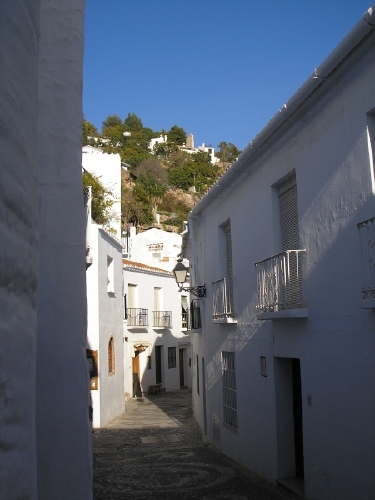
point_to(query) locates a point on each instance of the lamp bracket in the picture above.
(198, 291)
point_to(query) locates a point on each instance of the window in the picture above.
(171, 357)
(289, 216)
(158, 299)
(197, 375)
(148, 362)
(110, 275)
(111, 356)
(132, 296)
(229, 389)
(228, 240)
(292, 290)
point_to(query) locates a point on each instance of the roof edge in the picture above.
(342, 50)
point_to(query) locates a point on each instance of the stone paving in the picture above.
(155, 451)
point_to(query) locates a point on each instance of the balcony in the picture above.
(279, 286)
(162, 319)
(137, 317)
(222, 302)
(184, 319)
(367, 242)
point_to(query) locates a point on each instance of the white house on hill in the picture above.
(284, 372)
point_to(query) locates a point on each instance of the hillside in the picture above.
(159, 187)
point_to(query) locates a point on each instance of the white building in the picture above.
(157, 344)
(107, 167)
(188, 147)
(285, 357)
(154, 247)
(46, 449)
(157, 347)
(104, 348)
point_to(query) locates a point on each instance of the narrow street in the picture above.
(155, 451)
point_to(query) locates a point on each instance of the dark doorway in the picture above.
(158, 349)
(137, 393)
(181, 366)
(288, 385)
(297, 415)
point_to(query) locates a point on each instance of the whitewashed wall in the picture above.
(105, 320)
(107, 167)
(165, 258)
(19, 27)
(45, 432)
(146, 279)
(328, 149)
(63, 431)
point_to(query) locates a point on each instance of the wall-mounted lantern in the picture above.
(180, 273)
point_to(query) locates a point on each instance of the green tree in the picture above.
(132, 210)
(177, 135)
(111, 121)
(148, 190)
(88, 132)
(155, 168)
(198, 171)
(133, 123)
(102, 201)
(227, 153)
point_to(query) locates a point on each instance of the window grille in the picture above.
(229, 390)
(171, 357)
(111, 356)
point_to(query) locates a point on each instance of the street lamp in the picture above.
(180, 273)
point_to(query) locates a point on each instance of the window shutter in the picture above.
(289, 217)
(228, 236)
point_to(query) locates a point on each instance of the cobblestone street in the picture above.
(155, 451)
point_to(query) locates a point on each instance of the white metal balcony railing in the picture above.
(279, 282)
(222, 306)
(162, 319)
(367, 242)
(137, 317)
(184, 319)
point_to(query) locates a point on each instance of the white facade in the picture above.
(154, 247)
(107, 167)
(286, 367)
(104, 326)
(46, 449)
(156, 140)
(207, 149)
(154, 330)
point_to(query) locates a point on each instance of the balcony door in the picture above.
(292, 289)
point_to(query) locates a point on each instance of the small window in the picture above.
(111, 356)
(171, 357)
(229, 389)
(110, 275)
(148, 362)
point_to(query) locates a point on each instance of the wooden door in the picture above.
(137, 393)
(181, 364)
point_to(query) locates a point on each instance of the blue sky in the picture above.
(220, 69)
